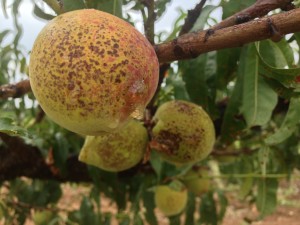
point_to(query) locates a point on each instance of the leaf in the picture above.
(8, 126)
(61, 152)
(232, 122)
(179, 86)
(70, 5)
(289, 124)
(3, 34)
(208, 210)
(277, 55)
(190, 210)
(259, 99)
(266, 199)
(111, 6)
(223, 205)
(200, 22)
(148, 201)
(287, 77)
(227, 62)
(41, 14)
(196, 74)
(87, 212)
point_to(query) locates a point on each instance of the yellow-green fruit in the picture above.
(91, 71)
(169, 201)
(195, 181)
(117, 151)
(42, 217)
(183, 132)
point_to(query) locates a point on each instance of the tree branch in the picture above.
(15, 90)
(258, 9)
(192, 45)
(191, 18)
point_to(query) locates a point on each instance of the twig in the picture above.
(191, 18)
(192, 45)
(15, 90)
(258, 9)
(149, 23)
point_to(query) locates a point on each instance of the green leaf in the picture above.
(200, 22)
(3, 34)
(208, 210)
(223, 205)
(190, 210)
(61, 151)
(289, 124)
(148, 201)
(111, 6)
(179, 86)
(87, 212)
(227, 62)
(8, 126)
(287, 77)
(70, 5)
(277, 55)
(41, 14)
(196, 73)
(174, 220)
(266, 199)
(232, 122)
(259, 99)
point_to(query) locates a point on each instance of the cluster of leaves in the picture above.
(252, 94)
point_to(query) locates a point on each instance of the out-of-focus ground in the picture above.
(238, 212)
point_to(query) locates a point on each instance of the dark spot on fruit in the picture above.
(169, 141)
(71, 85)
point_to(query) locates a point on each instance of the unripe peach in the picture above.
(183, 132)
(90, 71)
(169, 201)
(116, 151)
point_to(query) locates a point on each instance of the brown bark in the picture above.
(192, 45)
(15, 90)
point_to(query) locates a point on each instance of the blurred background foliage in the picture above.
(251, 93)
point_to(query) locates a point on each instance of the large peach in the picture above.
(90, 71)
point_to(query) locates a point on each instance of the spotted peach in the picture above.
(91, 71)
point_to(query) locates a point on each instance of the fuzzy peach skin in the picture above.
(90, 71)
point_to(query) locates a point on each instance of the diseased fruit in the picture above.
(42, 217)
(183, 132)
(117, 151)
(90, 71)
(196, 182)
(169, 201)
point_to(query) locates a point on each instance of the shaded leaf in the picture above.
(70, 5)
(190, 210)
(41, 14)
(289, 124)
(259, 99)
(208, 210)
(287, 77)
(8, 126)
(148, 201)
(266, 199)
(200, 22)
